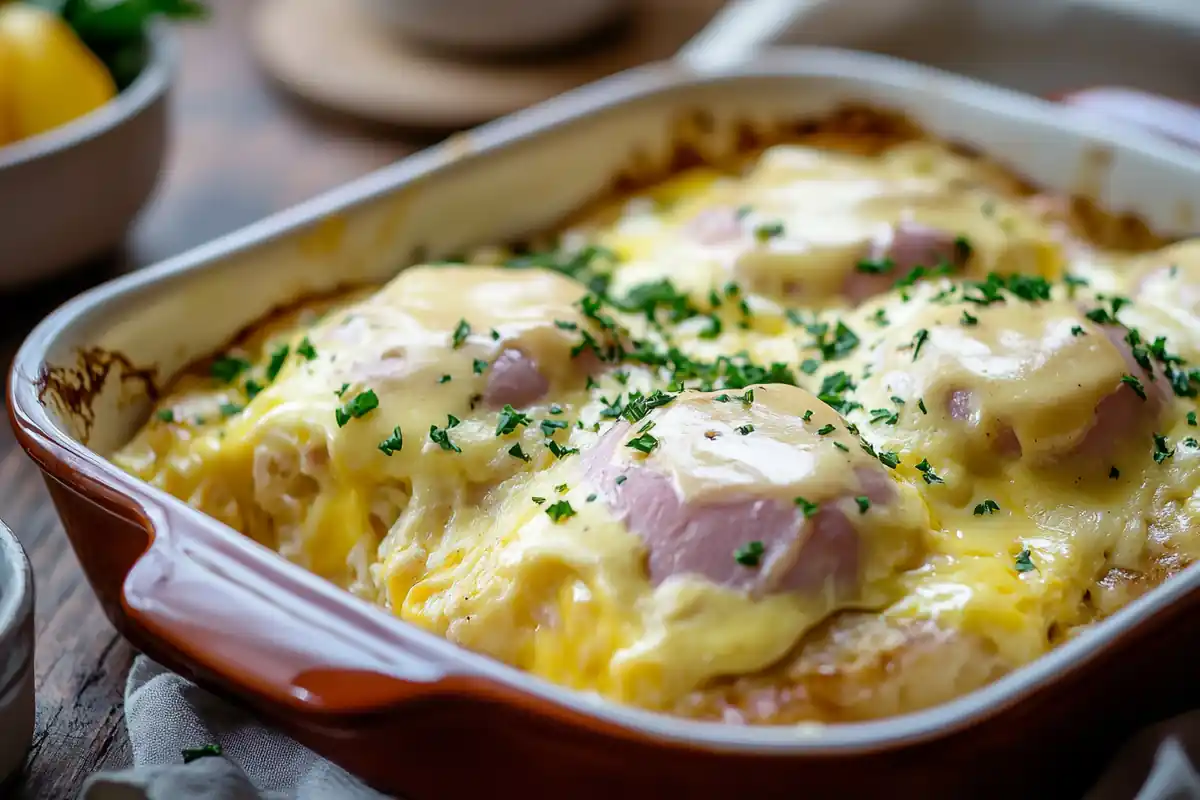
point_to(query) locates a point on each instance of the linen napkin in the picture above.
(167, 715)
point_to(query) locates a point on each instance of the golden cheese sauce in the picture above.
(735, 441)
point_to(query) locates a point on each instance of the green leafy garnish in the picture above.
(750, 554)
(393, 443)
(441, 436)
(229, 409)
(987, 507)
(927, 472)
(191, 754)
(1135, 384)
(362, 404)
(919, 339)
(278, 359)
(768, 231)
(560, 511)
(516, 452)
(1024, 562)
(509, 419)
(745, 429)
(1161, 451)
(306, 350)
(864, 503)
(461, 331)
(825, 430)
(645, 443)
(807, 508)
(166, 415)
(227, 368)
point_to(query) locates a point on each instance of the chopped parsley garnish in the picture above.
(393, 443)
(825, 430)
(278, 359)
(559, 451)
(1135, 384)
(712, 328)
(342, 390)
(962, 248)
(229, 409)
(561, 488)
(191, 754)
(810, 366)
(495, 334)
(639, 405)
(166, 415)
(1100, 316)
(306, 349)
(841, 344)
(1192, 443)
(807, 416)
(745, 429)
(1191, 418)
(897, 400)
(1030, 288)
(621, 479)
(478, 366)
(885, 416)
(1114, 473)
(880, 317)
(549, 426)
(864, 503)
(1078, 330)
(227, 368)
(538, 500)
(877, 266)
(968, 318)
(444, 379)
(750, 554)
(560, 511)
(566, 325)
(645, 443)
(888, 459)
(556, 409)
(927, 472)
(921, 405)
(841, 447)
(806, 508)
(441, 436)
(919, 339)
(362, 403)
(253, 387)
(768, 231)
(987, 507)
(516, 452)
(461, 331)
(1161, 451)
(1024, 562)
(509, 419)
(1073, 283)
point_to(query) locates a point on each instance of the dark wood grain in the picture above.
(240, 152)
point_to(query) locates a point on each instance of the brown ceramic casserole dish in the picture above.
(416, 715)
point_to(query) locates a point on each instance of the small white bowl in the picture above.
(70, 194)
(16, 653)
(494, 26)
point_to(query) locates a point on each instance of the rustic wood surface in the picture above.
(241, 151)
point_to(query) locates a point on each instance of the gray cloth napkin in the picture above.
(166, 715)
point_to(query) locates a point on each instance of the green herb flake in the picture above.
(362, 403)
(919, 339)
(863, 502)
(538, 500)
(987, 507)
(745, 429)
(768, 231)
(1135, 384)
(876, 266)
(441, 436)
(558, 451)
(1161, 451)
(253, 388)
(306, 350)
(509, 419)
(1024, 562)
(461, 332)
(921, 405)
(968, 318)
(927, 472)
(165, 415)
(516, 452)
(478, 366)
(278, 359)
(825, 430)
(807, 416)
(806, 508)
(227, 368)
(229, 409)
(560, 511)
(621, 479)
(1191, 418)
(444, 379)
(810, 366)
(1077, 330)
(393, 443)
(750, 554)
(549, 426)
(342, 390)
(841, 447)
(561, 488)
(645, 443)
(191, 754)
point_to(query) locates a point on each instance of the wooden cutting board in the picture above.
(333, 54)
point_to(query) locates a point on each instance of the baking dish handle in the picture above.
(236, 612)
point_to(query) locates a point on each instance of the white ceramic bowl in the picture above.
(70, 194)
(16, 653)
(494, 25)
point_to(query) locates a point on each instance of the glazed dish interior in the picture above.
(839, 428)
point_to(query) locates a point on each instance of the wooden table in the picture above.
(241, 151)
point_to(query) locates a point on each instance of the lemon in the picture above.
(48, 77)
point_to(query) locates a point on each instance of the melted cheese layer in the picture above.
(1024, 405)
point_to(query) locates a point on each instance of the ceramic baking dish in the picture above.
(416, 715)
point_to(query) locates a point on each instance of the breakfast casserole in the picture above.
(836, 431)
